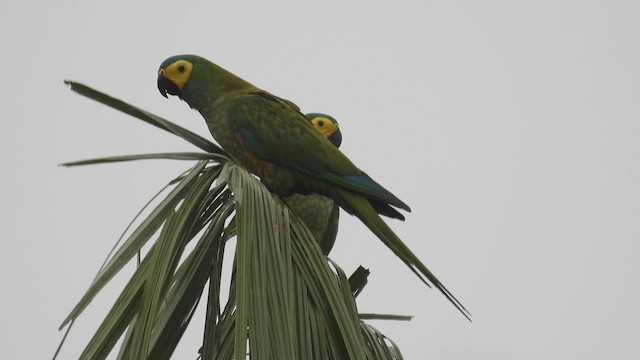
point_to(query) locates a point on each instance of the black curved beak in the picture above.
(166, 86)
(336, 138)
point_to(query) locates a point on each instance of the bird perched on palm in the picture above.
(271, 138)
(320, 213)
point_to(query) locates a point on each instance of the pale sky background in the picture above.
(512, 129)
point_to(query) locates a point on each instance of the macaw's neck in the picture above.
(209, 84)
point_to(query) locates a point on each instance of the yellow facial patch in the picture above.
(178, 72)
(325, 126)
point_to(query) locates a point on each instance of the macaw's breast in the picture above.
(320, 214)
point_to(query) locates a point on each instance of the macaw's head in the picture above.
(196, 80)
(327, 126)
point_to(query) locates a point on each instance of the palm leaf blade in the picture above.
(137, 239)
(145, 116)
(285, 301)
(163, 156)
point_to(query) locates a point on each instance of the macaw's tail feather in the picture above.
(362, 184)
(386, 210)
(363, 209)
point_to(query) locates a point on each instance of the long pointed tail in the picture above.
(363, 210)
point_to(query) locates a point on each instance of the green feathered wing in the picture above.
(277, 134)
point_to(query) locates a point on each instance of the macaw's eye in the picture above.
(181, 68)
(320, 123)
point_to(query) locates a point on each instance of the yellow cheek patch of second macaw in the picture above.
(325, 126)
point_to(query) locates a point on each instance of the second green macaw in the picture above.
(320, 213)
(271, 138)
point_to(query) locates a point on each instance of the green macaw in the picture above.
(270, 137)
(318, 212)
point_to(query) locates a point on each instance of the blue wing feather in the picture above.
(286, 138)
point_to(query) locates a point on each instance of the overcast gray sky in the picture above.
(511, 128)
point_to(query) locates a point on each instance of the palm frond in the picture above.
(137, 239)
(286, 300)
(146, 116)
(165, 156)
